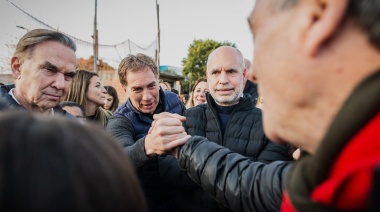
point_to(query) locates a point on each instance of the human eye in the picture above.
(215, 72)
(69, 76)
(232, 72)
(152, 86)
(136, 90)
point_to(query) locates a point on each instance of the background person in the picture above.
(184, 98)
(112, 99)
(58, 164)
(198, 93)
(87, 90)
(43, 66)
(165, 85)
(250, 86)
(74, 109)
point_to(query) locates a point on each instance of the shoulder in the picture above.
(106, 112)
(119, 124)
(172, 103)
(197, 110)
(122, 110)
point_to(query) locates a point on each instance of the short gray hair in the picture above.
(37, 36)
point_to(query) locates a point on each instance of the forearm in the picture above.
(137, 154)
(274, 152)
(122, 130)
(234, 180)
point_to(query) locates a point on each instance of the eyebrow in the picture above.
(48, 65)
(141, 86)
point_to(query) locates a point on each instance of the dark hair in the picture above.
(134, 63)
(37, 36)
(175, 91)
(365, 14)
(57, 164)
(73, 104)
(112, 91)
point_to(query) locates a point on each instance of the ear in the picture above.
(245, 74)
(16, 67)
(324, 19)
(124, 88)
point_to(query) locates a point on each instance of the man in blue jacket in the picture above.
(130, 124)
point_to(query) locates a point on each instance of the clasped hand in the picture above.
(166, 134)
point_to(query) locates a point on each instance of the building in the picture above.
(172, 75)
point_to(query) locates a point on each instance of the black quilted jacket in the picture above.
(244, 135)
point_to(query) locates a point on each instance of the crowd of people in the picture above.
(296, 130)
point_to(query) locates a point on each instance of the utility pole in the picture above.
(96, 39)
(158, 36)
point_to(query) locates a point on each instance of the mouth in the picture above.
(54, 97)
(148, 106)
(201, 100)
(224, 91)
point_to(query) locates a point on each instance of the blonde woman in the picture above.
(198, 93)
(88, 91)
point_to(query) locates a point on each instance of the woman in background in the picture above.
(112, 100)
(184, 98)
(198, 93)
(87, 90)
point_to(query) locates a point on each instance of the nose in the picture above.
(104, 90)
(59, 82)
(146, 95)
(223, 79)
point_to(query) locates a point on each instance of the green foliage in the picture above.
(194, 65)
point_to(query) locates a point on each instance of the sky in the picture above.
(181, 21)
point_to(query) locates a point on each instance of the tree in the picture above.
(194, 65)
(88, 64)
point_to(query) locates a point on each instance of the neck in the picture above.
(91, 109)
(29, 106)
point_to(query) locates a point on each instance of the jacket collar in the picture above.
(311, 170)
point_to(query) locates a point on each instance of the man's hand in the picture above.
(165, 134)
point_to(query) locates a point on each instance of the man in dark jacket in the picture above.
(43, 66)
(250, 85)
(229, 118)
(321, 95)
(130, 124)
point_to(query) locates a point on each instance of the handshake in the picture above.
(166, 134)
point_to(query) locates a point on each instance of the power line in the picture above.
(78, 40)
